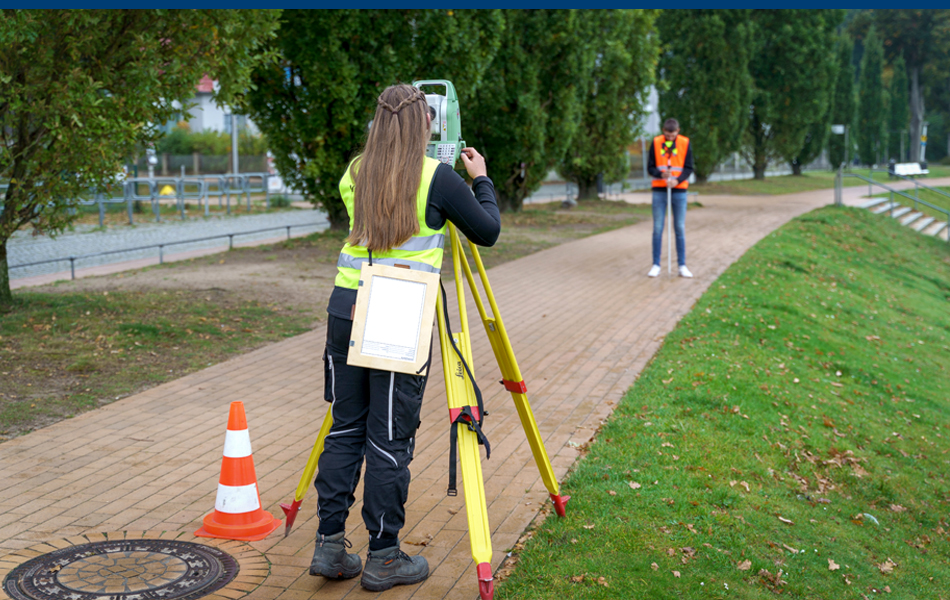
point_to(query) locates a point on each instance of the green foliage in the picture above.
(843, 102)
(922, 36)
(525, 115)
(315, 104)
(81, 88)
(807, 384)
(183, 141)
(793, 70)
(621, 55)
(898, 116)
(871, 115)
(706, 86)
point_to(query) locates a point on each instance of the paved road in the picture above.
(24, 248)
(583, 317)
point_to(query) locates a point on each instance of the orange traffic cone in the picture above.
(237, 508)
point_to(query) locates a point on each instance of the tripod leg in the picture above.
(512, 379)
(306, 479)
(460, 394)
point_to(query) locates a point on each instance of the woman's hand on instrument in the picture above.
(474, 163)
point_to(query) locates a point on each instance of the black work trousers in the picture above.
(375, 415)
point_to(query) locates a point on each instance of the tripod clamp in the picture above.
(468, 416)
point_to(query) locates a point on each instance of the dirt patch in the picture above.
(287, 275)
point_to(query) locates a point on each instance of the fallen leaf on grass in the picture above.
(611, 492)
(897, 508)
(786, 521)
(654, 566)
(589, 526)
(744, 565)
(602, 581)
(832, 565)
(577, 578)
(676, 573)
(887, 566)
(634, 485)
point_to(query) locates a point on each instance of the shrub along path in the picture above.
(584, 320)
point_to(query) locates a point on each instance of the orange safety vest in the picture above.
(670, 158)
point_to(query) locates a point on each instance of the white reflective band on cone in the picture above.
(237, 444)
(237, 499)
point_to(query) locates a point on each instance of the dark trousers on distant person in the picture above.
(678, 201)
(375, 415)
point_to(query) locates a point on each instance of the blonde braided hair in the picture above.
(415, 97)
(388, 172)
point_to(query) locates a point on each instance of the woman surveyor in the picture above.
(399, 202)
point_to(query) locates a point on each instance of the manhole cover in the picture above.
(123, 570)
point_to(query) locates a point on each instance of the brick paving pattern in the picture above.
(583, 319)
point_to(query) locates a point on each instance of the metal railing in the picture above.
(891, 193)
(917, 184)
(161, 247)
(200, 188)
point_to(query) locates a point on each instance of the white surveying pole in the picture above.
(669, 237)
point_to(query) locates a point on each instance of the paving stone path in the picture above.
(583, 318)
(23, 248)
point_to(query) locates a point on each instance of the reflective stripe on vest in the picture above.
(421, 252)
(672, 161)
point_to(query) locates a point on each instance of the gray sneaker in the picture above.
(391, 566)
(331, 560)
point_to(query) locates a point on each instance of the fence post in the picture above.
(72, 266)
(230, 241)
(288, 232)
(838, 186)
(266, 190)
(181, 195)
(161, 254)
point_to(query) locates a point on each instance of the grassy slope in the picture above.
(814, 371)
(790, 184)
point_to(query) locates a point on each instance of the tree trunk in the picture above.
(701, 178)
(916, 113)
(6, 296)
(796, 167)
(586, 189)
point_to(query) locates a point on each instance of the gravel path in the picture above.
(23, 248)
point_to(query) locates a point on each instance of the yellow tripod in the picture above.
(463, 407)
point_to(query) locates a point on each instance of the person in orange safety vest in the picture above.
(670, 163)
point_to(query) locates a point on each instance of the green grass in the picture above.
(791, 184)
(798, 415)
(65, 353)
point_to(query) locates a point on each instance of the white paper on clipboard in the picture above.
(393, 317)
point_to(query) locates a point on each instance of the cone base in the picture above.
(252, 532)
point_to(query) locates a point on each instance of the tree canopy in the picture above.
(704, 80)
(621, 58)
(315, 104)
(898, 114)
(83, 88)
(871, 115)
(843, 102)
(525, 115)
(793, 71)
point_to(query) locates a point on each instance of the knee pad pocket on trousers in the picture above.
(407, 405)
(329, 376)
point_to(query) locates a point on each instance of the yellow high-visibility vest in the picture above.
(422, 252)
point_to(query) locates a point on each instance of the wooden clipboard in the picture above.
(393, 318)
